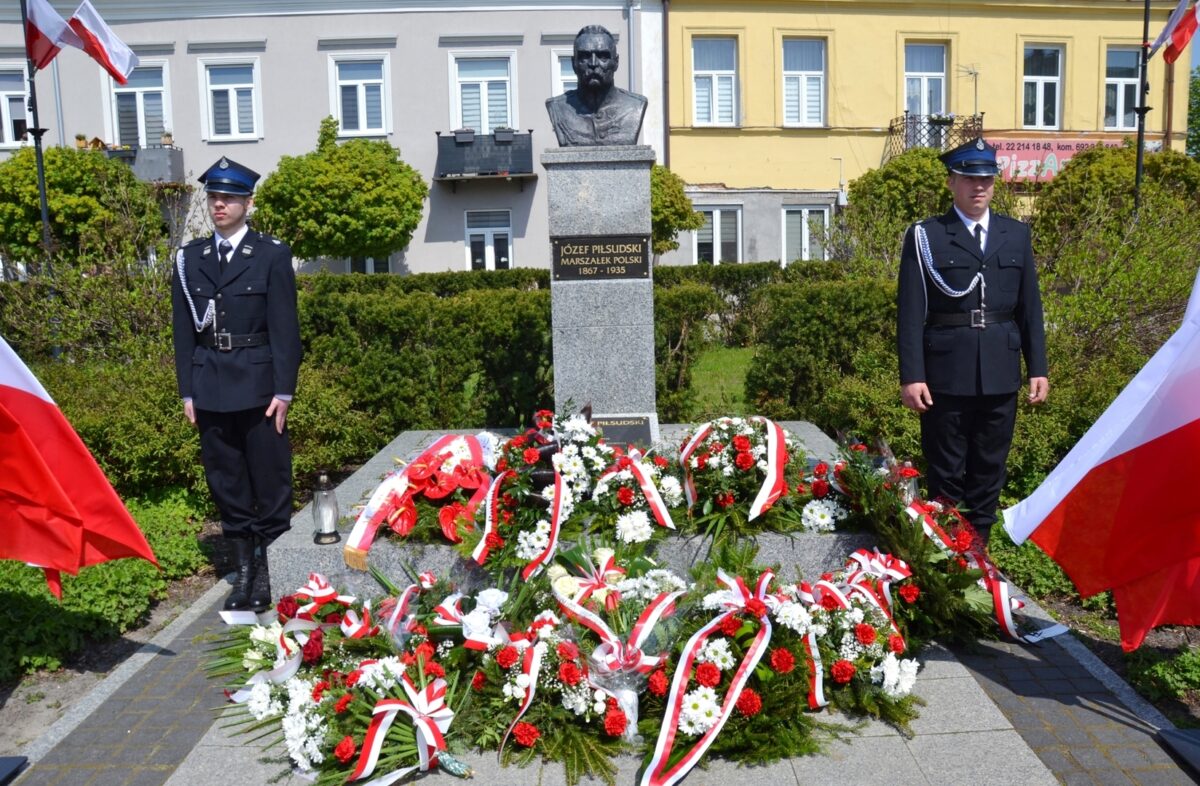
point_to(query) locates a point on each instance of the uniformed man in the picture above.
(969, 309)
(237, 354)
(597, 112)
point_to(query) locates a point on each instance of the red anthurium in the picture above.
(440, 485)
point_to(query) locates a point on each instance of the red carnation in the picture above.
(506, 516)
(494, 541)
(661, 461)
(730, 625)
(859, 447)
(506, 657)
(896, 643)
(782, 660)
(820, 488)
(567, 650)
(353, 677)
(963, 540)
(829, 602)
(658, 683)
(424, 650)
(843, 671)
(531, 456)
(865, 634)
(615, 723)
(569, 673)
(434, 669)
(909, 472)
(343, 703)
(741, 443)
(314, 648)
(518, 442)
(478, 681)
(749, 703)
(801, 489)
(319, 689)
(821, 470)
(287, 608)
(345, 749)
(725, 499)
(702, 460)
(756, 607)
(502, 465)
(526, 734)
(625, 495)
(744, 461)
(708, 675)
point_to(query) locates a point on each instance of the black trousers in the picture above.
(248, 466)
(966, 440)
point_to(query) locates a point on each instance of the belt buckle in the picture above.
(224, 341)
(978, 318)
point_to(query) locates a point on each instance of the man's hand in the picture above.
(189, 412)
(916, 396)
(1039, 387)
(278, 410)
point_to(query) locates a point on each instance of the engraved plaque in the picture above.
(628, 429)
(600, 257)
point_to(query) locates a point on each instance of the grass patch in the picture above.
(719, 382)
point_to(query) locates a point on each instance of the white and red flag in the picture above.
(58, 510)
(1122, 510)
(46, 33)
(99, 41)
(1181, 26)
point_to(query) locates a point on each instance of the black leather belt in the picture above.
(228, 341)
(976, 318)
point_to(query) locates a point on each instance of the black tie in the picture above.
(979, 236)
(223, 249)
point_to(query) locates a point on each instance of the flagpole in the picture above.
(1142, 109)
(37, 131)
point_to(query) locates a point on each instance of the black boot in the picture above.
(243, 556)
(260, 592)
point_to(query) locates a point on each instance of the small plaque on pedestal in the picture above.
(628, 429)
(600, 257)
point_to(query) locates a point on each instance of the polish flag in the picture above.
(45, 33)
(1180, 28)
(59, 511)
(102, 43)
(1122, 510)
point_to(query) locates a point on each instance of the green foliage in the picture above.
(1158, 676)
(439, 284)
(99, 212)
(1029, 568)
(670, 210)
(355, 199)
(1193, 124)
(680, 314)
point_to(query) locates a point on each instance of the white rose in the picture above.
(490, 600)
(555, 572)
(566, 586)
(602, 555)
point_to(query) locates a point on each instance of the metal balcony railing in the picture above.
(939, 132)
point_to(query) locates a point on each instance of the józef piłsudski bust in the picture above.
(597, 112)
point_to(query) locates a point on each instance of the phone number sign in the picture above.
(1041, 159)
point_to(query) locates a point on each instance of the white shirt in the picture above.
(970, 225)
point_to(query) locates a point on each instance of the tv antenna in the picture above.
(972, 71)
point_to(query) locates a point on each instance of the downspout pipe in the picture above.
(666, 83)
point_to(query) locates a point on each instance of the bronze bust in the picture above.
(597, 112)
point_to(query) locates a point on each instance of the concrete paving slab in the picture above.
(956, 705)
(995, 758)
(885, 761)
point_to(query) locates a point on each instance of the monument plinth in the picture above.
(601, 290)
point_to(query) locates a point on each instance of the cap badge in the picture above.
(979, 145)
(224, 163)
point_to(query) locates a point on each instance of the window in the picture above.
(1043, 75)
(369, 265)
(12, 105)
(924, 79)
(360, 91)
(803, 82)
(714, 75)
(483, 93)
(804, 233)
(232, 108)
(564, 72)
(719, 240)
(489, 240)
(1120, 88)
(140, 106)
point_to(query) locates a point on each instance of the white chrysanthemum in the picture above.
(588, 452)
(794, 617)
(717, 600)
(894, 675)
(490, 600)
(727, 471)
(262, 703)
(671, 490)
(601, 490)
(716, 651)
(714, 462)
(762, 464)
(634, 527)
(531, 544)
(266, 635)
(817, 516)
(700, 711)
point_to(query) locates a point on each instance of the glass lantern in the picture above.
(325, 513)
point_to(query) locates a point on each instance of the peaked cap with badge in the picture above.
(975, 158)
(229, 177)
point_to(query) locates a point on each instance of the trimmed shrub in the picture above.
(680, 316)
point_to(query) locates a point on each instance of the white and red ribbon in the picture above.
(490, 524)
(614, 654)
(773, 483)
(531, 666)
(431, 719)
(644, 476)
(556, 505)
(816, 673)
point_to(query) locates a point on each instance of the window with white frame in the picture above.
(12, 104)
(1120, 88)
(803, 82)
(720, 239)
(360, 94)
(925, 79)
(232, 108)
(564, 78)
(369, 265)
(489, 239)
(1043, 86)
(714, 81)
(141, 106)
(483, 90)
(804, 231)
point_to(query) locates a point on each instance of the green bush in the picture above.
(440, 284)
(680, 315)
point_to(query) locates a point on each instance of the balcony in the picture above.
(938, 132)
(153, 163)
(504, 155)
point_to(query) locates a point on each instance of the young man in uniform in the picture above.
(969, 310)
(237, 355)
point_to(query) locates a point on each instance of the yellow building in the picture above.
(773, 106)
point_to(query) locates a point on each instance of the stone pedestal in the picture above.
(602, 315)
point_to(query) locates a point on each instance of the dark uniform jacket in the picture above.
(256, 294)
(966, 361)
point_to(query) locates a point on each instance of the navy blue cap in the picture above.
(229, 177)
(975, 158)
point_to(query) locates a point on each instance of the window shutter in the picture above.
(350, 108)
(220, 107)
(725, 99)
(472, 111)
(497, 104)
